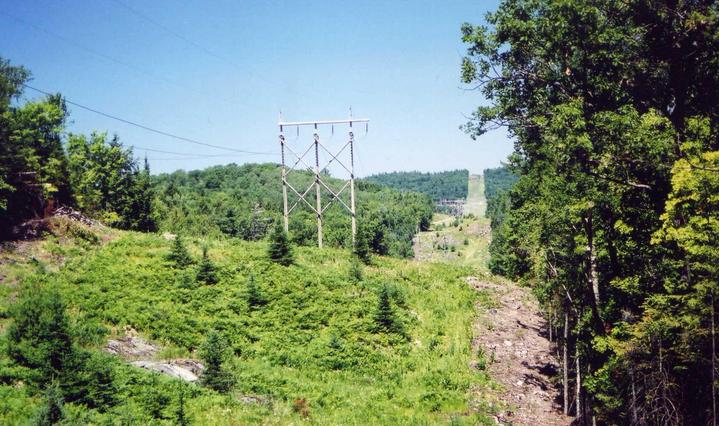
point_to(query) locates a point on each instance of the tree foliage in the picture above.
(52, 410)
(40, 168)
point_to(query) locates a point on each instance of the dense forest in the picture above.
(244, 201)
(614, 107)
(440, 185)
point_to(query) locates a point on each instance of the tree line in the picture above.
(438, 186)
(614, 108)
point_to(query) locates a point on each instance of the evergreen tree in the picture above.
(40, 335)
(179, 254)
(180, 413)
(253, 295)
(385, 318)
(361, 246)
(279, 250)
(214, 353)
(52, 411)
(138, 213)
(206, 272)
(355, 272)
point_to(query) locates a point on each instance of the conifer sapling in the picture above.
(279, 250)
(207, 271)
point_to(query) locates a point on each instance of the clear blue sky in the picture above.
(231, 66)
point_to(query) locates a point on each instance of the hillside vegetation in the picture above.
(438, 186)
(304, 344)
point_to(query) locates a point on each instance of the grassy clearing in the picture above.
(309, 355)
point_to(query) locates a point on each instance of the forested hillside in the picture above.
(614, 107)
(440, 185)
(244, 201)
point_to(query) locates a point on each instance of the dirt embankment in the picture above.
(510, 335)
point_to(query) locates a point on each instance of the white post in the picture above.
(352, 185)
(317, 186)
(284, 181)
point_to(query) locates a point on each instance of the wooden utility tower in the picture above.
(317, 205)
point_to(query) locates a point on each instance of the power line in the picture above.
(174, 33)
(150, 129)
(87, 49)
(142, 148)
(185, 158)
(136, 69)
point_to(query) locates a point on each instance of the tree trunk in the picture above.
(580, 408)
(592, 259)
(550, 323)
(635, 414)
(565, 364)
(714, 400)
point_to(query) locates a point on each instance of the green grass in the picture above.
(283, 351)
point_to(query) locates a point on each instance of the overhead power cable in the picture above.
(150, 129)
(188, 154)
(174, 33)
(87, 49)
(106, 57)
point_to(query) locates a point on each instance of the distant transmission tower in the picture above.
(316, 205)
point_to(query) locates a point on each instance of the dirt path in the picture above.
(518, 355)
(509, 330)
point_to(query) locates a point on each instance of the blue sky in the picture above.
(220, 71)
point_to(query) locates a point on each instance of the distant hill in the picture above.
(243, 201)
(438, 186)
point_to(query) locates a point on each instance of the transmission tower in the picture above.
(317, 206)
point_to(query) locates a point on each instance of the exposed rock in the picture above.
(131, 347)
(171, 368)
